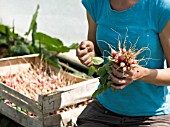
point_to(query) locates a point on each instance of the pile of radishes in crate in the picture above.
(37, 80)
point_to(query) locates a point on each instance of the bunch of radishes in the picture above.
(123, 59)
(126, 60)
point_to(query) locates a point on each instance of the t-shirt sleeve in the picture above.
(91, 8)
(163, 13)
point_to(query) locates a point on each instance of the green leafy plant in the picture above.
(12, 44)
(10, 41)
(46, 45)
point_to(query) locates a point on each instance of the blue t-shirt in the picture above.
(138, 26)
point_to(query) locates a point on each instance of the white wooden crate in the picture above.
(46, 103)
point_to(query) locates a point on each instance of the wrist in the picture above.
(145, 74)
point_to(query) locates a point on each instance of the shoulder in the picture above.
(93, 3)
(93, 7)
(162, 12)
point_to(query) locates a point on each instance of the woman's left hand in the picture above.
(122, 79)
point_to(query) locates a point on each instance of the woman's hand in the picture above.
(85, 51)
(122, 79)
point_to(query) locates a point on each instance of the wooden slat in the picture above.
(58, 120)
(13, 65)
(15, 68)
(18, 95)
(74, 86)
(16, 58)
(70, 97)
(20, 103)
(19, 117)
(53, 121)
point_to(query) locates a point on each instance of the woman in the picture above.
(142, 99)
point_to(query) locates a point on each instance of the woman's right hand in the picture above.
(85, 51)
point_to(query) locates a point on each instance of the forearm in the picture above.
(92, 34)
(93, 39)
(160, 77)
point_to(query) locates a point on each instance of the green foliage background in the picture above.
(41, 43)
